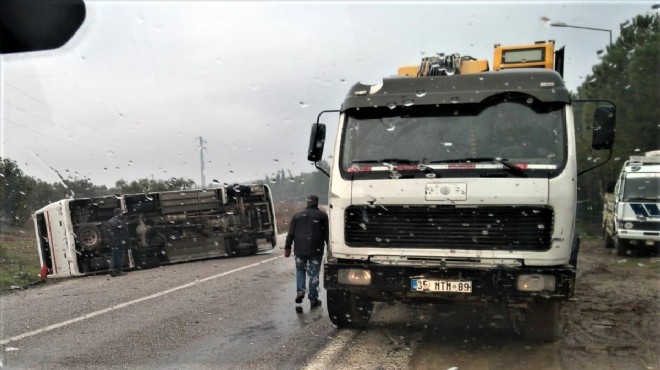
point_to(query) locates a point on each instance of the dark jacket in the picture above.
(308, 232)
(116, 232)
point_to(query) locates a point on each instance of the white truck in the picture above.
(452, 182)
(631, 213)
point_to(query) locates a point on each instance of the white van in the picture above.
(631, 214)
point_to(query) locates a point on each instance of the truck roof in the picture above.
(544, 85)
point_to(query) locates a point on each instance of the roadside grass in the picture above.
(19, 261)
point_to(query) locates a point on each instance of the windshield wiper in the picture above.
(387, 161)
(505, 162)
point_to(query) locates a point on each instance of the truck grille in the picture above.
(481, 228)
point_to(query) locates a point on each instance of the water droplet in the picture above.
(454, 99)
(408, 103)
(109, 153)
(303, 105)
(420, 93)
(391, 105)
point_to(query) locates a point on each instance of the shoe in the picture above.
(299, 297)
(313, 303)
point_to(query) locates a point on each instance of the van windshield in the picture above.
(641, 189)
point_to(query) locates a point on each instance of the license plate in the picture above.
(453, 286)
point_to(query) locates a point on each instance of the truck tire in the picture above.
(608, 241)
(543, 322)
(348, 310)
(575, 249)
(89, 236)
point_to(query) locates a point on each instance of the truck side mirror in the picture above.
(603, 132)
(316, 142)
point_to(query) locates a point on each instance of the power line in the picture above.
(48, 136)
(119, 141)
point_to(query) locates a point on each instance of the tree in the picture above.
(629, 75)
(15, 188)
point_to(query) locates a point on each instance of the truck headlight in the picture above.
(535, 283)
(628, 225)
(354, 277)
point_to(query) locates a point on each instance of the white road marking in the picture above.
(129, 303)
(327, 356)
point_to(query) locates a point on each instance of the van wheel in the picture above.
(609, 242)
(147, 257)
(245, 249)
(89, 236)
(623, 248)
(348, 310)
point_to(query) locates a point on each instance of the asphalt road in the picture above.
(220, 313)
(238, 313)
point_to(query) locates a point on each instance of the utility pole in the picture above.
(201, 160)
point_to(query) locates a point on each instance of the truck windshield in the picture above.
(531, 136)
(641, 189)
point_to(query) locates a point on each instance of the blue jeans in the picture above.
(308, 265)
(116, 258)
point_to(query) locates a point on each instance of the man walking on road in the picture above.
(116, 232)
(308, 232)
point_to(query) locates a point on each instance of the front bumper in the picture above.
(393, 283)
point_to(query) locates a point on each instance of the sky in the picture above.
(133, 92)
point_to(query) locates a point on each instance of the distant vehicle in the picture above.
(165, 227)
(631, 213)
(453, 182)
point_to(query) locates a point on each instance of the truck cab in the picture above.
(451, 182)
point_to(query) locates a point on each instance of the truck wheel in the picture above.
(609, 242)
(543, 322)
(575, 249)
(89, 236)
(348, 310)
